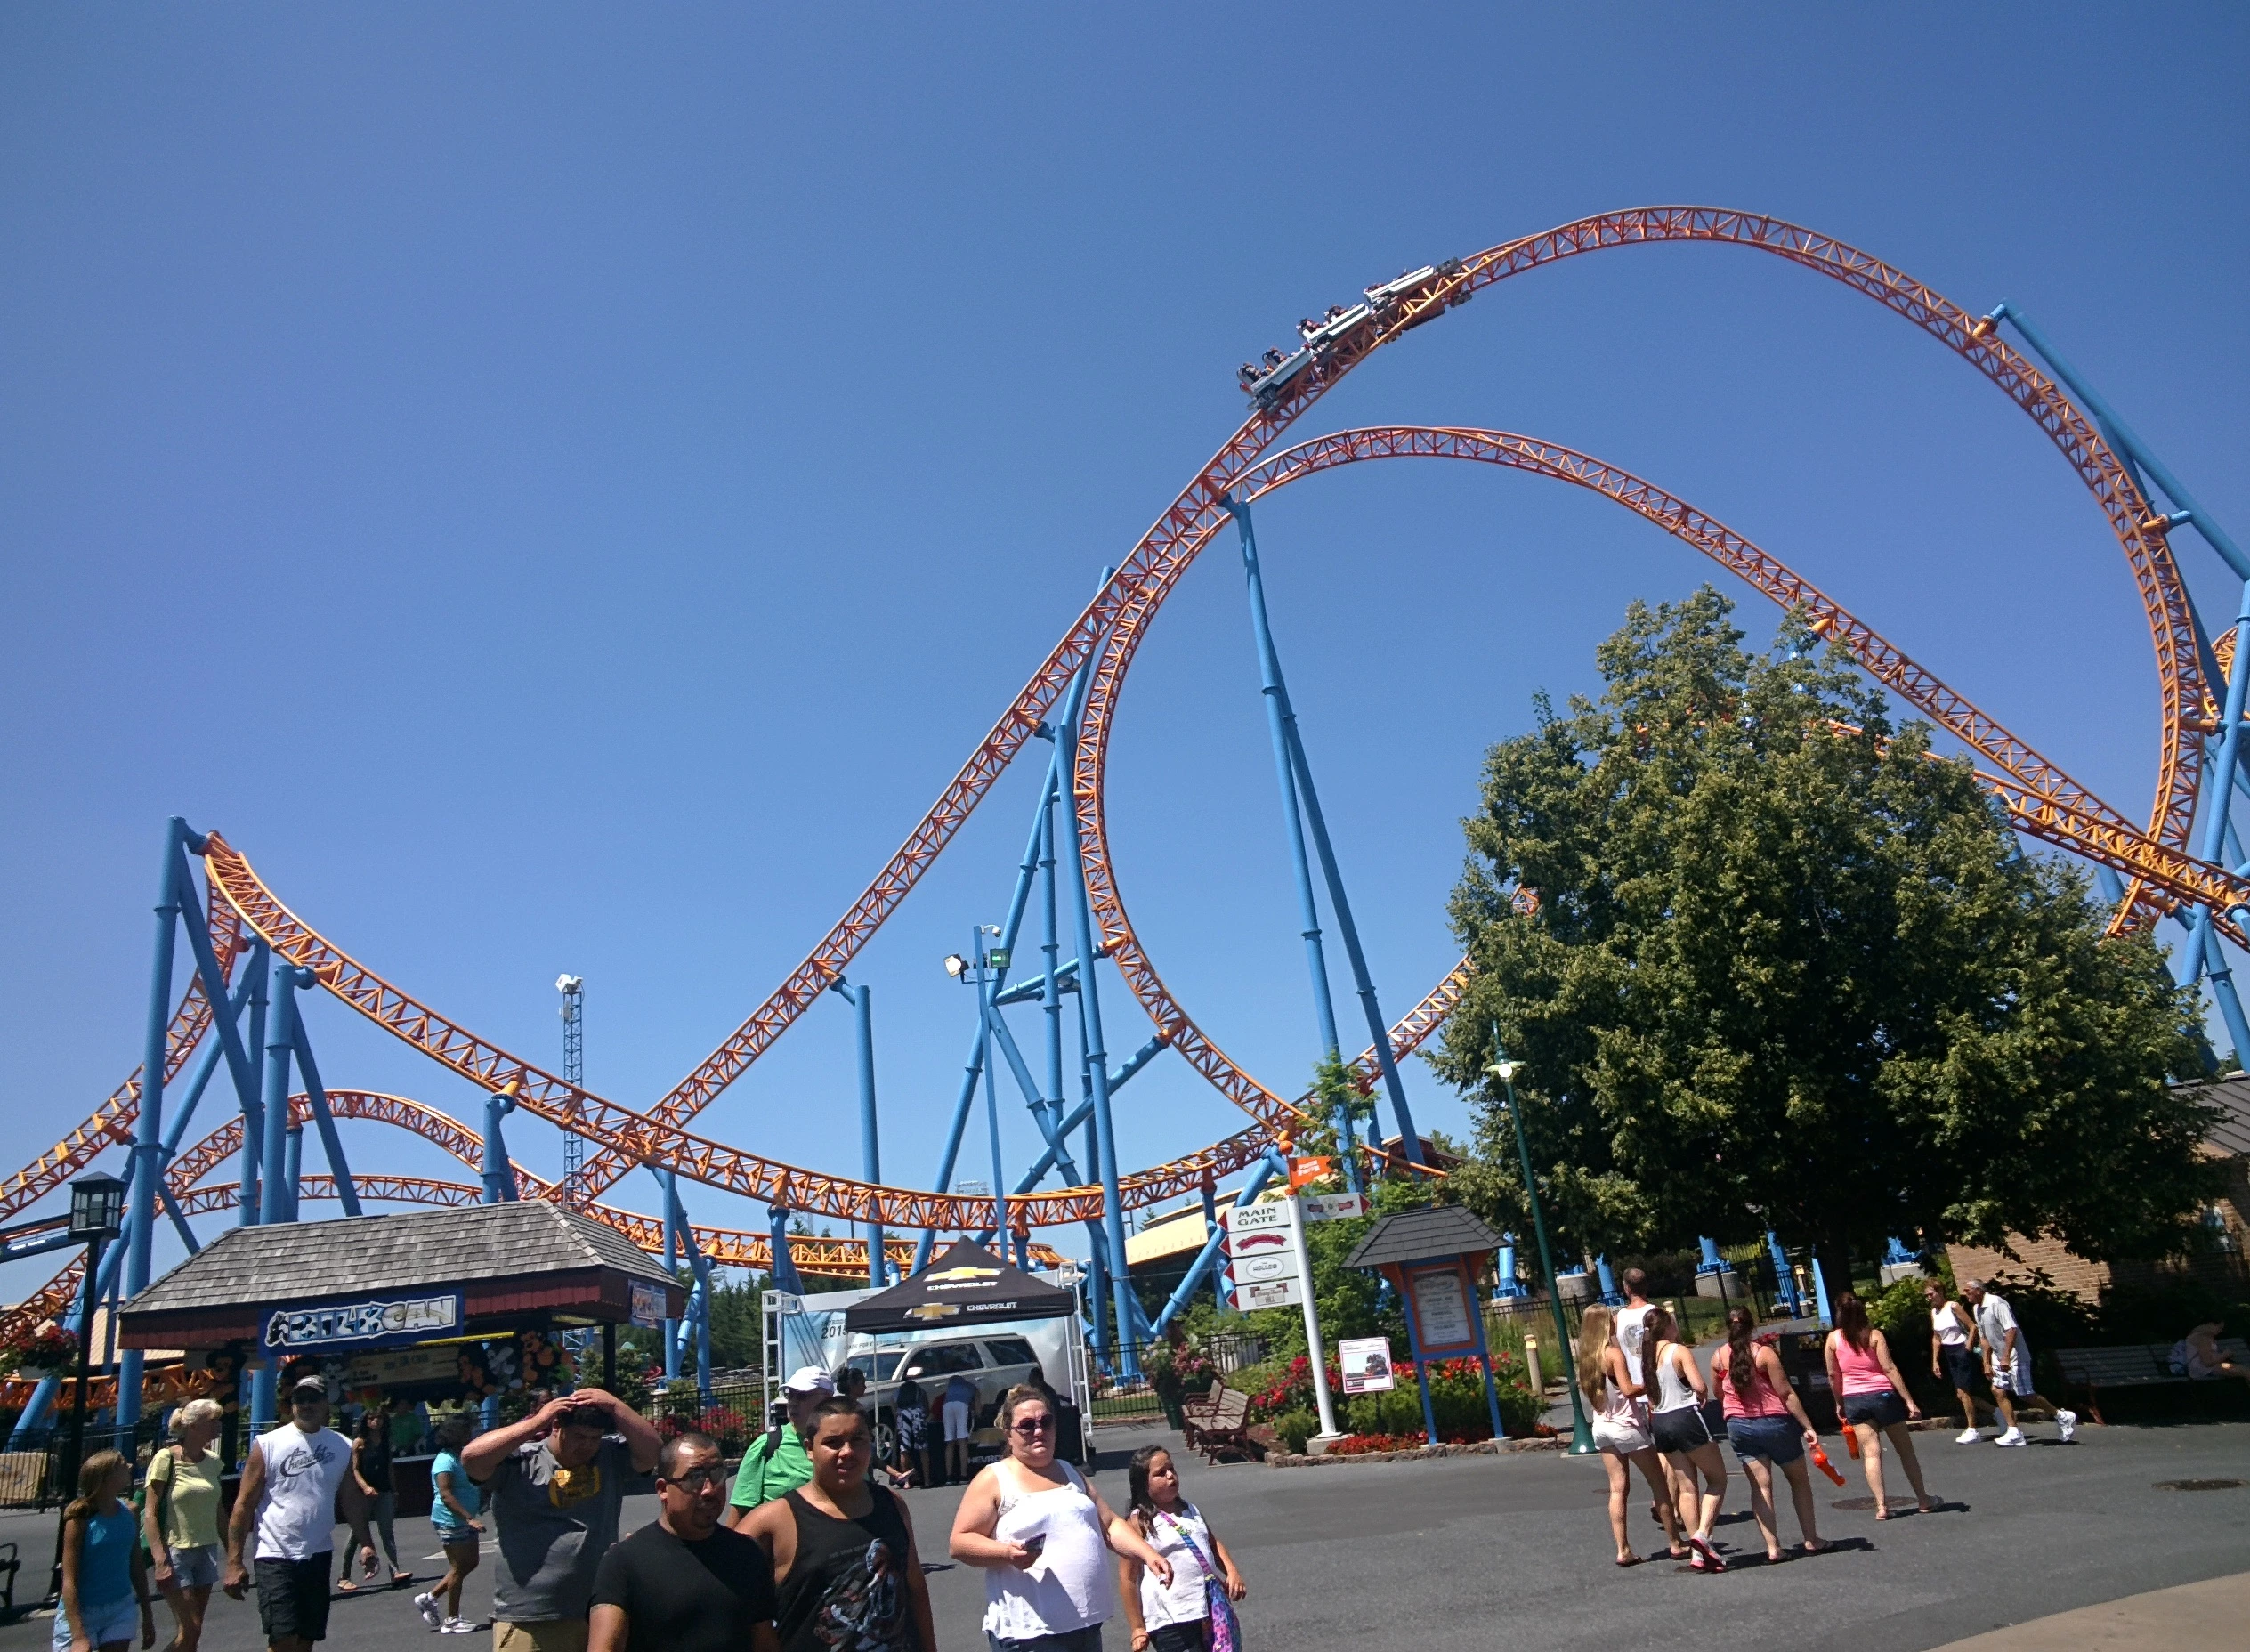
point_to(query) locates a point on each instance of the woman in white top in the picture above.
(1681, 1424)
(1621, 1429)
(1043, 1537)
(1174, 1616)
(1953, 1355)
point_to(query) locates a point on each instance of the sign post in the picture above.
(1329, 1434)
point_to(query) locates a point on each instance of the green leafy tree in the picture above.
(1765, 962)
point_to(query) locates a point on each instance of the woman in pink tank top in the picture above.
(1872, 1397)
(1767, 1427)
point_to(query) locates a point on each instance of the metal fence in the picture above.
(36, 1471)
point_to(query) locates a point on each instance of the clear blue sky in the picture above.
(562, 489)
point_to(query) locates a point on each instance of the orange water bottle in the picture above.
(1820, 1461)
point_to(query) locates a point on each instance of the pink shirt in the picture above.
(1763, 1401)
(1863, 1372)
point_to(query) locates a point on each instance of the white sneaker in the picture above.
(1967, 1436)
(427, 1605)
(458, 1626)
(2013, 1437)
(2067, 1425)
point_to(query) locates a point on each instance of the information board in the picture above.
(1366, 1365)
(1442, 1321)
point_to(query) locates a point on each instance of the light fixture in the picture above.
(1504, 1070)
(570, 983)
(956, 966)
(97, 1206)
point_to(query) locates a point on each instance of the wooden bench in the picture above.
(2130, 1366)
(1200, 1412)
(1226, 1430)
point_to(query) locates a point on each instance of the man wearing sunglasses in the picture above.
(293, 1481)
(687, 1583)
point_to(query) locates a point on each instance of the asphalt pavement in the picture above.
(1514, 1551)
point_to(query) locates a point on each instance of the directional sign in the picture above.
(1249, 1269)
(1334, 1207)
(1258, 1219)
(1278, 1293)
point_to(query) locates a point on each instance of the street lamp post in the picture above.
(97, 1216)
(1582, 1438)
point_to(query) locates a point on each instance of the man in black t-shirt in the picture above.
(687, 1583)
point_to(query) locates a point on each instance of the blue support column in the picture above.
(984, 988)
(861, 998)
(782, 1265)
(499, 1174)
(280, 1050)
(1712, 1262)
(1090, 1010)
(1610, 1293)
(324, 1121)
(1484, 1359)
(1378, 1029)
(671, 1208)
(261, 973)
(1422, 1372)
(1050, 997)
(148, 1129)
(1785, 1280)
(293, 1168)
(1278, 717)
(1220, 1296)
(1506, 1283)
(1820, 1292)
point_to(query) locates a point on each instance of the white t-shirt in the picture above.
(296, 1513)
(1188, 1599)
(1995, 1319)
(1072, 1585)
(1631, 1323)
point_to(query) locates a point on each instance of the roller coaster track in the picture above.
(728, 1247)
(1199, 509)
(2042, 798)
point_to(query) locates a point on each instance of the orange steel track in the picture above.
(2041, 799)
(1198, 510)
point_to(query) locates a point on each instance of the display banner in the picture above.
(1366, 1365)
(376, 1322)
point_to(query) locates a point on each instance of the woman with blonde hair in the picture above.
(1621, 1429)
(1042, 1537)
(103, 1575)
(180, 1519)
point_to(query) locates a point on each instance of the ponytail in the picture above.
(94, 1474)
(1655, 1330)
(1742, 1353)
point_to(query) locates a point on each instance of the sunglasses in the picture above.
(700, 1480)
(1031, 1426)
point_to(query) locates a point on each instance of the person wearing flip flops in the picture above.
(1182, 1615)
(1767, 1427)
(1606, 1376)
(1876, 1404)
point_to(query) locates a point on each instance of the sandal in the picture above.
(1706, 1558)
(1628, 1560)
(1882, 1514)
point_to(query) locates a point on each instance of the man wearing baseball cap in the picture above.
(554, 1483)
(781, 1462)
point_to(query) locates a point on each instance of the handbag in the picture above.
(1222, 1628)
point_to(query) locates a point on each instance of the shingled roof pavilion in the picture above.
(513, 1264)
(1429, 1234)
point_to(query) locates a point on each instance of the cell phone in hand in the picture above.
(1035, 1543)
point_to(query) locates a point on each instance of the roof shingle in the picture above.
(308, 1261)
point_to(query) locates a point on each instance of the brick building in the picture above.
(2222, 1260)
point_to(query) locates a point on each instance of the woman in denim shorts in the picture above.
(1767, 1425)
(180, 1519)
(1876, 1402)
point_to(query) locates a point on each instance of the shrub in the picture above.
(1294, 1429)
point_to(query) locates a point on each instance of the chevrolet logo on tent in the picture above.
(964, 1275)
(934, 1310)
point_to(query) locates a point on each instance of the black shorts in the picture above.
(1963, 1369)
(1885, 1410)
(1686, 1427)
(1180, 1637)
(292, 1595)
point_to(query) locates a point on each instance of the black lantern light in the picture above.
(97, 1207)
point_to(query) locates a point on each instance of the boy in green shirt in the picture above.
(779, 1460)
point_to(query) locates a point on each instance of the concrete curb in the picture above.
(1474, 1448)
